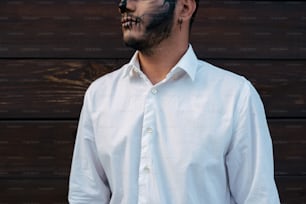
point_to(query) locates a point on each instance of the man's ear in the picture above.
(187, 8)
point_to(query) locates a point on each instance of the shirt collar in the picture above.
(133, 66)
(187, 63)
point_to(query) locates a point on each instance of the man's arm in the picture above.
(88, 182)
(250, 156)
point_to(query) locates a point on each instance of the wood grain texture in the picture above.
(40, 149)
(38, 191)
(91, 29)
(289, 143)
(55, 88)
(45, 150)
(35, 166)
(50, 52)
(47, 88)
(292, 190)
(46, 191)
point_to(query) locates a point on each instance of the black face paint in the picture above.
(122, 6)
(157, 29)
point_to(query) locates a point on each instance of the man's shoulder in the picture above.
(219, 75)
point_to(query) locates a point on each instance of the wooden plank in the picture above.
(50, 191)
(39, 191)
(82, 29)
(289, 143)
(55, 88)
(292, 189)
(47, 88)
(250, 29)
(36, 149)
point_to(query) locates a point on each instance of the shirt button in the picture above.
(149, 130)
(147, 169)
(154, 91)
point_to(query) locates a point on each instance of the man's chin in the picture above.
(134, 43)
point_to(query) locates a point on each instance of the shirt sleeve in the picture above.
(88, 182)
(250, 157)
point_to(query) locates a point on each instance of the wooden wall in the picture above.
(51, 50)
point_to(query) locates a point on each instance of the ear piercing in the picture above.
(180, 22)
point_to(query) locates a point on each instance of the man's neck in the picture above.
(157, 64)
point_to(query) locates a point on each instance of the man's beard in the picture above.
(157, 30)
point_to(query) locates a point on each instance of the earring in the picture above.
(180, 22)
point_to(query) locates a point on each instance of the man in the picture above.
(168, 128)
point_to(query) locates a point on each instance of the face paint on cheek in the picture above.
(161, 22)
(122, 6)
(158, 17)
(155, 16)
(155, 26)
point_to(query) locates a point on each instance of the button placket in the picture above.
(154, 91)
(145, 167)
(149, 130)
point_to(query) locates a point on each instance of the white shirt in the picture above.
(198, 137)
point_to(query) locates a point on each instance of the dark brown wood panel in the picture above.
(55, 88)
(292, 190)
(41, 97)
(44, 191)
(289, 143)
(250, 29)
(36, 149)
(44, 148)
(87, 29)
(38, 191)
(47, 88)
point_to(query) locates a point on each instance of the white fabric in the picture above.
(198, 137)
